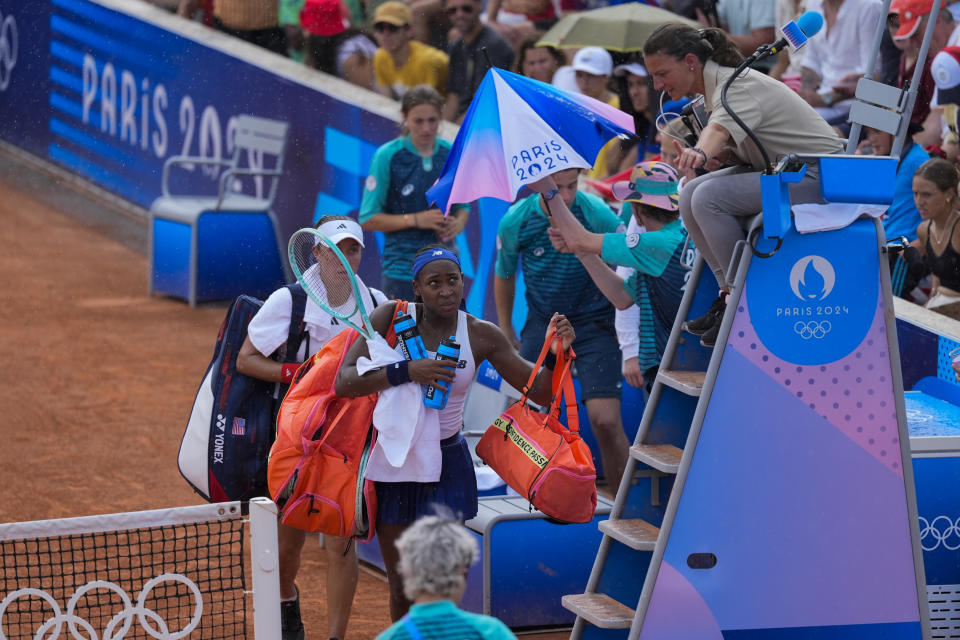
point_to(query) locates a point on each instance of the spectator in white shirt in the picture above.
(837, 57)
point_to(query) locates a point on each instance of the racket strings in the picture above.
(324, 275)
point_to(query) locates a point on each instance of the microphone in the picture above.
(796, 34)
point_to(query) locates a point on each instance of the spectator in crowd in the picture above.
(788, 64)
(518, 20)
(402, 62)
(557, 283)
(907, 20)
(901, 217)
(656, 285)
(394, 197)
(435, 555)
(839, 56)
(267, 334)
(334, 47)
(288, 16)
(593, 67)
(636, 98)
(538, 62)
(938, 239)
(748, 23)
(684, 60)
(471, 55)
(255, 21)
(946, 73)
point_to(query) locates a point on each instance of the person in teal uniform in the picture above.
(435, 555)
(657, 255)
(394, 197)
(556, 282)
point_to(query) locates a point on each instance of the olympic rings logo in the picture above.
(941, 530)
(124, 618)
(812, 329)
(8, 50)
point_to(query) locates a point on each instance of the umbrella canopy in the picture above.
(519, 130)
(622, 27)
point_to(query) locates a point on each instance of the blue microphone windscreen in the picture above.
(810, 23)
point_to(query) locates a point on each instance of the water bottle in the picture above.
(436, 396)
(406, 329)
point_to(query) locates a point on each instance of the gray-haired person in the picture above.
(435, 555)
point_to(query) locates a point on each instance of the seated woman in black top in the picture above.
(938, 240)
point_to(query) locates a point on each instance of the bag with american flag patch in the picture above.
(223, 453)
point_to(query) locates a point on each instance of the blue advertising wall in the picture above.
(110, 90)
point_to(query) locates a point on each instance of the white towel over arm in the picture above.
(408, 438)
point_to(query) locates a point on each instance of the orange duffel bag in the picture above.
(542, 460)
(317, 463)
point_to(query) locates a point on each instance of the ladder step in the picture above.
(635, 533)
(663, 457)
(600, 610)
(688, 382)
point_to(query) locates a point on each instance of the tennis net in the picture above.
(167, 574)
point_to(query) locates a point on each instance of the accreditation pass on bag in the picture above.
(531, 452)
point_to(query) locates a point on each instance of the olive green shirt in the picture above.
(782, 121)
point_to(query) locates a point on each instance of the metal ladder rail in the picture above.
(691, 444)
(646, 420)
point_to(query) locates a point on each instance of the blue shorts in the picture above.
(404, 502)
(598, 364)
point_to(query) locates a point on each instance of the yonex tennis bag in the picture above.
(317, 464)
(223, 453)
(542, 460)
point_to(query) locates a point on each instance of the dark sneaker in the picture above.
(291, 626)
(712, 317)
(709, 338)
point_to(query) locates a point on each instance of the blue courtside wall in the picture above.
(109, 90)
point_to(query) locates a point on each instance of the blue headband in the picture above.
(427, 257)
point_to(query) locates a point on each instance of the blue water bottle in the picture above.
(436, 396)
(406, 329)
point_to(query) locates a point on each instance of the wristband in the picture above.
(287, 372)
(700, 151)
(398, 373)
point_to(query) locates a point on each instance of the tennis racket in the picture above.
(327, 277)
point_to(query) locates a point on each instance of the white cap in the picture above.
(338, 230)
(945, 70)
(634, 68)
(593, 60)
(566, 78)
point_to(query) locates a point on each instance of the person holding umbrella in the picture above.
(684, 61)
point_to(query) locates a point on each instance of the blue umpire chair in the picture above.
(205, 247)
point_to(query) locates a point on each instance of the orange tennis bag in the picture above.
(542, 460)
(317, 463)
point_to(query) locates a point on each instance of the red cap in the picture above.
(910, 12)
(323, 17)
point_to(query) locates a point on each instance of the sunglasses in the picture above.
(464, 8)
(386, 26)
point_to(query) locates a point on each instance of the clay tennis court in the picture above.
(98, 379)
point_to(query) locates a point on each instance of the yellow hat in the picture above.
(393, 12)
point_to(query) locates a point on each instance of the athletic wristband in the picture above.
(398, 373)
(700, 151)
(287, 372)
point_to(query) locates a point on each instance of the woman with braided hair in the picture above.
(682, 61)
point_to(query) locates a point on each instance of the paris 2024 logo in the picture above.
(813, 302)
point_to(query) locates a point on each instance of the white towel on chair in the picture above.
(408, 438)
(810, 218)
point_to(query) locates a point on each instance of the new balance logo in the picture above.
(438, 252)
